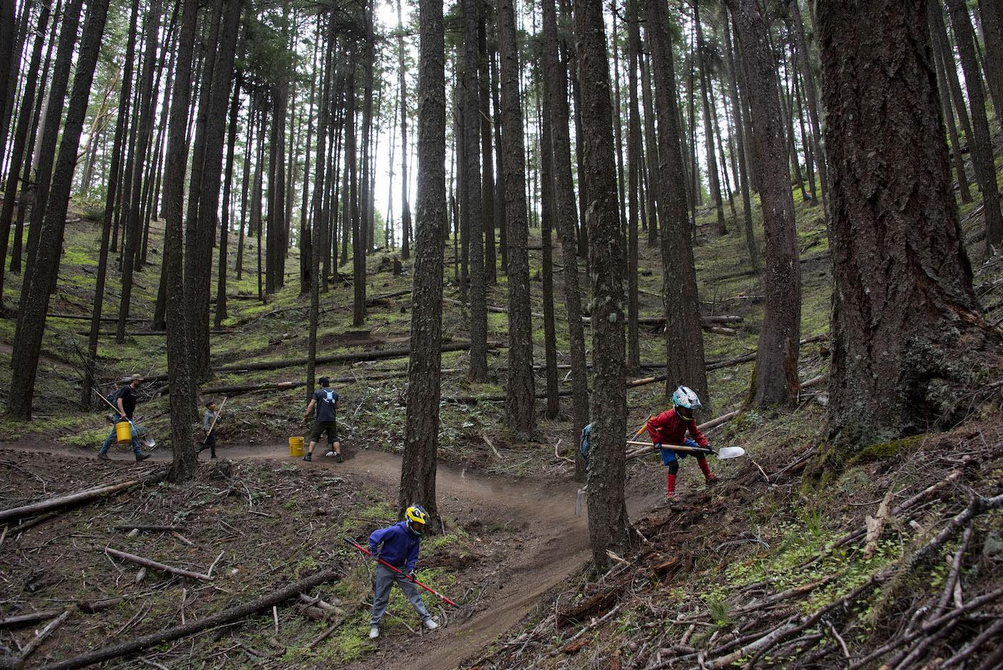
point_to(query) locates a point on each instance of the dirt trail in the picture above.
(554, 543)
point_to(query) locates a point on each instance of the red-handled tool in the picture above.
(369, 553)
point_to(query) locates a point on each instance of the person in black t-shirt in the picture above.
(125, 404)
(326, 402)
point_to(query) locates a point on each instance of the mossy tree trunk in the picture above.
(904, 331)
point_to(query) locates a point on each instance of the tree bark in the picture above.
(903, 328)
(180, 381)
(86, 392)
(609, 526)
(775, 380)
(133, 226)
(546, 226)
(519, 408)
(635, 162)
(743, 172)
(683, 339)
(991, 15)
(948, 111)
(45, 149)
(18, 154)
(555, 88)
(981, 140)
(714, 177)
(650, 152)
(35, 299)
(224, 226)
(488, 185)
(472, 176)
(421, 432)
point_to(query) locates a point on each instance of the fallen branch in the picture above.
(384, 354)
(66, 501)
(23, 619)
(177, 632)
(37, 641)
(146, 562)
(150, 528)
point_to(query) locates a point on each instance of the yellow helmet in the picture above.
(416, 513)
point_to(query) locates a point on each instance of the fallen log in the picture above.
(177, 632)
(33, 617)
(66, 501)
(153, 333)
(147, 527)
(745, 358)
(37, 641)
(491, 308)
(87, 317)
(384, 354)
(237, 389)
(148, 563)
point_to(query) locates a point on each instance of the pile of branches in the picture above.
(890, 619)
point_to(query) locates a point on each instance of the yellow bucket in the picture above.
(295, 446)
(123, 432)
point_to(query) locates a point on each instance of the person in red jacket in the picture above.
(670, 427)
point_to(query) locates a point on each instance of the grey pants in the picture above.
(385, 578)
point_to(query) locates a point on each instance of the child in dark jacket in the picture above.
(398, 545)
(670, 428)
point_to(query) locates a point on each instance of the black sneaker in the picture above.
(142, 457)
(338, 458)
(102, 457)
(308, 457)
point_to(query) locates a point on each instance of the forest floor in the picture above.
(512, 548)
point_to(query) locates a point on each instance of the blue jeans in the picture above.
(112, 438)
(385, 578)
(669, 455)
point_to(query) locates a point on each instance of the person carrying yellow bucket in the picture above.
(123, 430)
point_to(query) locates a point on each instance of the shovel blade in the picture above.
(730, 452)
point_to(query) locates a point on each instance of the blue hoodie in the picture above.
(400, 545)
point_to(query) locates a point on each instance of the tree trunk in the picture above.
(904, 330)
(811, 97)
(981, 140)
(948, 110)
(472, 176)
(991, 15)
(714, 178)
(555, 88)
(86, 392)
(45, 150)
(609, 527)
(488, 185)
(133, 226)
(943, 42)
(180, 381)
(17, 158)
(635, 162)
(519, 408)
(775, 380)
(650, 152)
(421, 431)
(224, 226)
(743, 172)
(35, 297)
(402, 84)
(546, 226)
(244, 188)
(683, 339)
(500, 221)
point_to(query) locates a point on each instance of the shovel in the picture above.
(722, 453)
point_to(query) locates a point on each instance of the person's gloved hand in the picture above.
(658, 445)
(413, 575)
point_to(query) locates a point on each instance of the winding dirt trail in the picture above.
(553, 544)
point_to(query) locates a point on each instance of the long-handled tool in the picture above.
(369, 553)
(148, 442)
(215, 419)
(722, 453)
